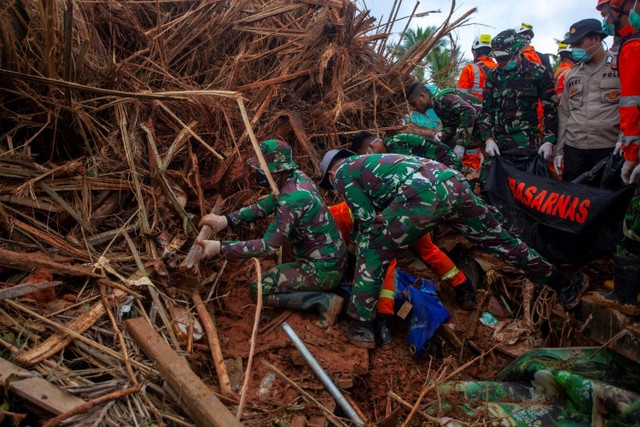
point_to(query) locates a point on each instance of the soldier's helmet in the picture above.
(506, 43)
(277, 154)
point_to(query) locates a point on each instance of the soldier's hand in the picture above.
(210, 248)
(492, 148)
(557, 164)
(628, 168)
(459, 151)
(635, 175)
(546, 150)
(216, 222)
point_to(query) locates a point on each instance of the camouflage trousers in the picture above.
(416, 211)
(301, 275)
(630, 244)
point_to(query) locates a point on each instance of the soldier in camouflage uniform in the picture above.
(301, 216)
(458, 111)
(509, 118)
(395, 200)
(408, 144)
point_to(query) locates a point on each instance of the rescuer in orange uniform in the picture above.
(473, 75)
(431, 254)
(623, 18)
(566, 63)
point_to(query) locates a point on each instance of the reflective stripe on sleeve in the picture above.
(450, 274)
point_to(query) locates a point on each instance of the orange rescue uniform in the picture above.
(473, 75)
(432, 255)
(629, 68)
(559, 77)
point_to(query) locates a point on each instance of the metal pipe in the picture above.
(322, 375)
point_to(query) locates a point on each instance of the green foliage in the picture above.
(440, 67)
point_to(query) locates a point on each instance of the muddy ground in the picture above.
(370, 376)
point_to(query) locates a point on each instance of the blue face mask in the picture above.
(511, 65)
(609, 29)
(581, 55)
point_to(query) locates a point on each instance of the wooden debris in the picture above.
(60, 340)
(209, 325)
(55, 422)
(26, 288)
(203, 406)
(254, 336)
(36, 390)
(31, 261)
(126, 122)
(192, 260)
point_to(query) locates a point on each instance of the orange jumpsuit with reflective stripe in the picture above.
(473, 75)
(559, 77)
(629, 68)
(432, 255)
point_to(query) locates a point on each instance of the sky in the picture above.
(551, 19)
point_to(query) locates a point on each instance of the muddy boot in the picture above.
(626, 281)
(569, 291)
(465, 295)
(382, 330)
(359, 333)
(326, 304)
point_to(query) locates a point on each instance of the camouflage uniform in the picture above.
(301, 216)
(458, 111)
(509, 110)
(629, 246)
(414, 145)
(414, 195)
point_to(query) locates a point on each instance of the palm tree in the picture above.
(440, 66)
(444, 66)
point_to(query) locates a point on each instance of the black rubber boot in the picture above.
(466, 295)
(359, 333)
(326, 304)
(569, 291)
(626, 281)
(381, 327)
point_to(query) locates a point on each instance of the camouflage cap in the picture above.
(507, 43)
(277, 154)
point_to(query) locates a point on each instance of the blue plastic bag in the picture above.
(427, 313)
